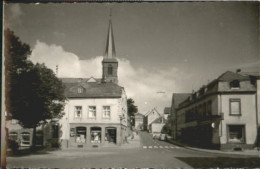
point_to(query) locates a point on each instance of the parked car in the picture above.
(156, 135)
(162, 137)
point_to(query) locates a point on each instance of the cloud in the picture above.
(149, 89)
(13, 14)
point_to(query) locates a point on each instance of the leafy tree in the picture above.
(131, 110)
(34, 94)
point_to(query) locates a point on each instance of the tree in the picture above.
(131, 110)
(34, 94)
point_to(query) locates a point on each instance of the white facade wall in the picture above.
(247, 118)
(118, 107)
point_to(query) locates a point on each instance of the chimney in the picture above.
(238, 70)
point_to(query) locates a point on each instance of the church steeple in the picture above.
(110, 63)
(110, 44)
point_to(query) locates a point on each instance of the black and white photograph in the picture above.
(130, 84)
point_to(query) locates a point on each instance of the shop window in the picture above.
(106, 111)
(110, 135)
(81, 134)
(25, 139)
(92, 111)
(235, 107)
(95, 134)
(236, 134)
(78, 111)
(110, 70)
(13, 136)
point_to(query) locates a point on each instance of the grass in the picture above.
(222, 162)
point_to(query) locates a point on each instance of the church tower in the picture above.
(110, 63)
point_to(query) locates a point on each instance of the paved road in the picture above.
(151, 154)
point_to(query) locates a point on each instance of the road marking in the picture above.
(155, 147)
(171, 147)
(150, 146)
(144, 146)
(166, 147)
(161, 146)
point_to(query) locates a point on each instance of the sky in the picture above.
(162, 47)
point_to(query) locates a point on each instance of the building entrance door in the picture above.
(110, 135)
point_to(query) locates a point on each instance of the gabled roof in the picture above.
(159, 120)
(91, 89)
(178, 98)
(167, 110)
(230, 76)
(153, 110)
(77, 80)
(138, 114)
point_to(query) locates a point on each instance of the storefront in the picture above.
(89, 135)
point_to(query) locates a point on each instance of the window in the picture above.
(80, 90)
(25, 140)
(234, 84)
(209, 107)
(78, 111)
(106, 111)
(110, 70)
(13, 136)
(81, 134)
(95, 133)
(92, 111)
(236, 134)
(235, 107)
(55, 131)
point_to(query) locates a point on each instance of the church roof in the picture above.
(90, 89)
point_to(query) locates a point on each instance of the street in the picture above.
(151, 154)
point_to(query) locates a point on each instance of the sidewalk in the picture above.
(253, 152)
(132, 143)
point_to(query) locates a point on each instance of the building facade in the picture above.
(139, 120)
(150, 116)
(222, 114)
(96, 109)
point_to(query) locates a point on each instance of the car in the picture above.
(156, 135)
(162, 137)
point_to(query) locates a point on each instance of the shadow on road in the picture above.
(222, 162)
(28, 151)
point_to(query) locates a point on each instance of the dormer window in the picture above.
(234, 84)
(80, 90)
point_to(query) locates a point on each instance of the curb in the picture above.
(209, 151)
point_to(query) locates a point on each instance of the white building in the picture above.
(96, 109)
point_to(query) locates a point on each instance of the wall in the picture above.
(117, 107)
(247, 118)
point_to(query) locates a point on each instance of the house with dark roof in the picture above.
(222, 114)
(177, 98)
(96, 109)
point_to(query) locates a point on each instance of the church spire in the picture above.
(110, 63)
(110, 51)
